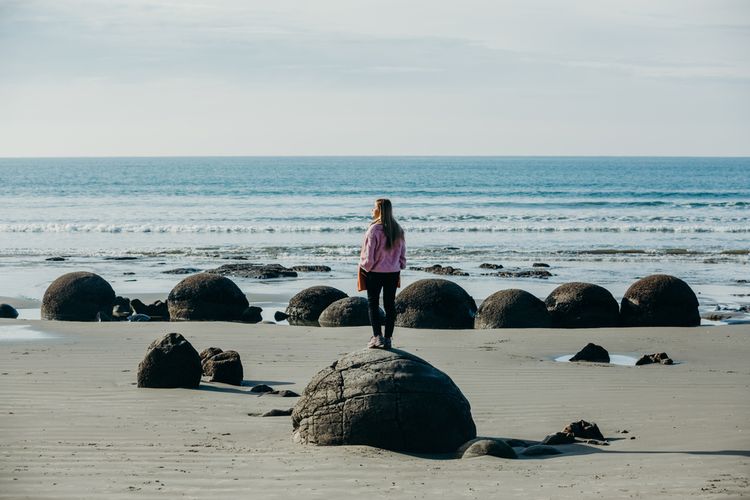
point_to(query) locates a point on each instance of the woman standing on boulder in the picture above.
(381, 260)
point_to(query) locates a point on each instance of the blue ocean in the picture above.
(607, 220)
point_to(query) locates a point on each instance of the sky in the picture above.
(366, 77)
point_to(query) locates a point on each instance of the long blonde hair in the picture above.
(393, 231)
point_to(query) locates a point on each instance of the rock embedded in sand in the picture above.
(277, 413)
(121, 308)
(311, 269)
(158, 311)
(582, 305)
(252, 314)
(256, 271)
(306, 306)
(539, 264)
(659, 300)
(55, 259)
(77, 296)
(533, 273)
(349, 311)
(170, 362)
(512, 308)
(559, 438)
(486, 447)
(225, 367)
(206, 297)
(8, 311)
(660, 358)
(584, 430)
(384, 398)
(490, 266)
(593, 353)
(438, 269)
(183, 270)
(209, 352)
(262, 388)
(435, 303)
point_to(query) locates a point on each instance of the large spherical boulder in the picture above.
(384, 398)
(512, 308)
(582, 305)
(349, 311)
(170, 362)
(659, 300)
(435, 303)
(8, 311)
(206, 297)
(306, 307)
(77, 296)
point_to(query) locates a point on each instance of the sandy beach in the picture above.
(74, 425)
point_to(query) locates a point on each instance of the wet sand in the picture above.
(74, 425)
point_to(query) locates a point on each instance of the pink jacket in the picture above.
(376, 257)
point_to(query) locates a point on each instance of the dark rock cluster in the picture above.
(438, 269)
(222, 366)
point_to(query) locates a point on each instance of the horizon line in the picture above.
(74, 157)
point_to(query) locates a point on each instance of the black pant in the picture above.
(387, 282)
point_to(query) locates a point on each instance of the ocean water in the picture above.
(606, 220)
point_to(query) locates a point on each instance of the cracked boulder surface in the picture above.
(388, 399)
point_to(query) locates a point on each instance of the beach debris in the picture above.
(139, 317)
(311, 269)
(206, 297)
(438, 269)
(128, 273)
(8, 311)
(486, 447)
(261, 388)
(257, 271)
(277, 413)
(539, 450)
(121, 308)
(435, 303)
(55, 259)
(660, 357)
(349, 311)
(388, 399)
(280, 316)
(170, 362)
(539, 264)
(490, 266)
(222, 366)
(306, 306)
(252, 314)
(584, 430)
(593, 353)
(183, 270)
(77, 296)
(512, 308)
(582, 305)
(659, 300)
(158, 311)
